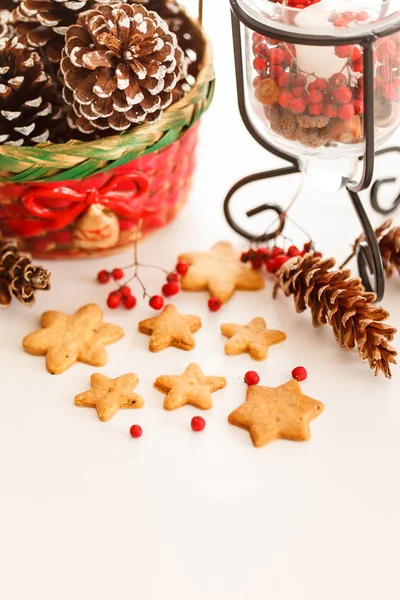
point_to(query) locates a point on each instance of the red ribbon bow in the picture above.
(60, 206)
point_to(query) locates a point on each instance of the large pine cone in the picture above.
(390, 250)
(44, 23)
(121, 64)
(18, 277)
(30, 111)
(340, 301)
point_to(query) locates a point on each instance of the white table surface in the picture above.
(89, 513)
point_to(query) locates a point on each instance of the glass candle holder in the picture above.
(320, 80)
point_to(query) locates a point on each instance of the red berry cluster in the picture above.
(274, 258)
(123, 295)
(299, 4)
(333, 106)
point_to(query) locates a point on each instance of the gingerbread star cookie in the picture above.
(108, 395)
(170, 328)
(283, 412)
(67, 339)
(192, 387)
(220, 271)
(254, 338)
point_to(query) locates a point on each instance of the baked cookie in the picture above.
(67, 339)
(254, 338)
(108, 395)
(192, 387)
(283, 412)
(220, 271)
(170, 328)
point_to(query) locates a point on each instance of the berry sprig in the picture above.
(122, 296)
(273, 258)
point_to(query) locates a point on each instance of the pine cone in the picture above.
(30, 110)
(44, 23)
(18, 277)
(340, 301)
(121, 64)
(389, 245)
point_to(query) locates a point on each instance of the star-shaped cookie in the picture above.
(283, 412)
(108, 395)
(192, 387)
(67, 339)
(220, 271)
(254, 338)
(170, 328)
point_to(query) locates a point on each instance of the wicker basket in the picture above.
(85, 198)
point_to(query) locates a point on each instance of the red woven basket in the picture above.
(99, 214)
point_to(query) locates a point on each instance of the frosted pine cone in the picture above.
(6, 27)
(121, 64)
(29, 106)
(44, 23)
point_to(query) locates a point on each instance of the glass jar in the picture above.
(309, 100)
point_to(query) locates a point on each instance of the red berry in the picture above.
(298, 80)
(172, 277)
(117, 274)
(346, 112)
(129, 301)
(182, 268)
(315, 109)
(170, 289)
(343, 51)
(271, 265)
(312, 86)
(355, 54)
(251, 378)
(136, 431)
(283, 79)
(340, 22)
(276, 251)
(197, 423)
(297, 106)
(359, 107)
(125, 290)
(321, 84)
(275, 71)
(156, 302)
(299, 92)
(315, 97)
(285, 98)
(293, 251)
(343, 94)
(114, 300)
(214, 304)
(338, 79)
(330, 110)
(260, 64)
(358, 66)
(318, 254)
(361, 16)
(103, 276)
(288, 57)
(276, 56)
(390, 91)
(280, 260)
(299, 373)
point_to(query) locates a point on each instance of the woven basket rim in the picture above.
(27, 162)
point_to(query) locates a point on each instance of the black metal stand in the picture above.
(369, 257)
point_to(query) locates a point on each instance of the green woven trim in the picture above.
(77, 160)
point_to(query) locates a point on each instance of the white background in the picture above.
(86, 512)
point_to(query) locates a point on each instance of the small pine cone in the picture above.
(18, 277)
(30, 111)
(389, 245)
(121, 64)
(340, 301)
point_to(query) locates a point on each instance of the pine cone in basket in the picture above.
(30, 112)
(18, 277)
(340, 301)
(44, 23)
(121, 64)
